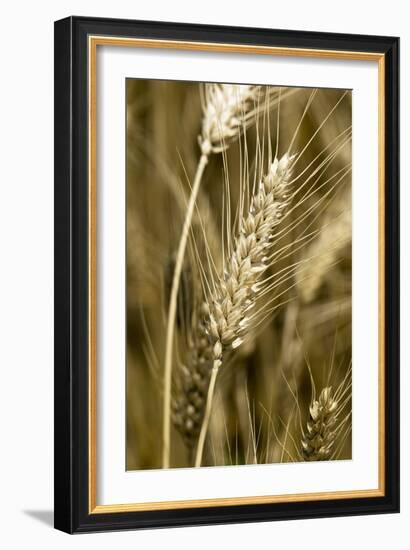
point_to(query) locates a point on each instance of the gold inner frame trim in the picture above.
(93, 42)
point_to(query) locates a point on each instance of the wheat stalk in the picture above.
(226, 109)
(236, 292)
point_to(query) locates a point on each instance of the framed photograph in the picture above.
(226, 274)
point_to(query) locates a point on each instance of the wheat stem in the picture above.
(207, 415)
(166, 436)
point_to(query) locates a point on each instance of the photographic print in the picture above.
(238, 279)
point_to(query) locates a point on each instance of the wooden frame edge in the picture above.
(97, 40)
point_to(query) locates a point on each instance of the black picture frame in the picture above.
(71, 386)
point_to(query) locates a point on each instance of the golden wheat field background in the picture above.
(254, 363)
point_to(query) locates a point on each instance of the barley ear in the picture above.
(235, 295)
(237, 291)
(192, 381)
(227, 108)
(319, 437)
